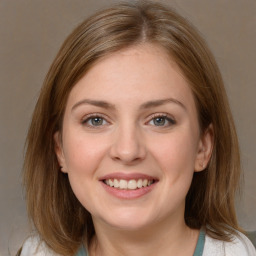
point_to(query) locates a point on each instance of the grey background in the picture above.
(31, 32)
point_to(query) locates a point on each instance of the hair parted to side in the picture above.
(61, 221)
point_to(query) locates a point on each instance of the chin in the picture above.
(130, 225)
(128, 220)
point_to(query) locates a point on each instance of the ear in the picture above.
(59, 151)
(205, 147)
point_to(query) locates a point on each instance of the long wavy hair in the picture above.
(59, 218)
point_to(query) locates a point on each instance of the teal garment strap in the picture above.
(200, 244)
(82, 252)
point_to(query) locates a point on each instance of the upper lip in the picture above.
(127, 176)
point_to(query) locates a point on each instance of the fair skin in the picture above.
(131, 122)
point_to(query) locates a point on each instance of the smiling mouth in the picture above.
(129, 184)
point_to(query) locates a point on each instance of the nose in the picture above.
(128, 146)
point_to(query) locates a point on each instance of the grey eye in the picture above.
(96, 121)
(160, 121)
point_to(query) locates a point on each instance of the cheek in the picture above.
(83, 153)
(176, 157)
(176, 153)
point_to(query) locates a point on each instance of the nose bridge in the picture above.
(129, 145)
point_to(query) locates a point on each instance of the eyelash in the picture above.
(90, 117)
(171, 121)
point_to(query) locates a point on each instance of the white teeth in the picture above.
(123, 184)
(116, 183)
(132, 184)
(139, 183)
(144, 183)
(111, 183)
(128, 184)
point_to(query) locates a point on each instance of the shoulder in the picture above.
(239, 246)
(34, 247)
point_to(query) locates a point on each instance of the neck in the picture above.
(158, 239)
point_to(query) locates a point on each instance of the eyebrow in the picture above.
(97, 103)
(146, 105)
(156, 103)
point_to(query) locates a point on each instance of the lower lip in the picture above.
(127, 193)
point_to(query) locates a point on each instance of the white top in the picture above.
(240, 246)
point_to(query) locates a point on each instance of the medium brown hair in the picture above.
(59, 218)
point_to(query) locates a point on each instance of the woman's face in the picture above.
(131, 140)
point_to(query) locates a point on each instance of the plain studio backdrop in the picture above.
(31, 32)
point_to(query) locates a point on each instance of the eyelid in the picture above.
(89, 116)
(169, 117)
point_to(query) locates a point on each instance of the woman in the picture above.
(132, 148)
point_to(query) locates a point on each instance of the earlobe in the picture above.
(204, 149)
(59, 151)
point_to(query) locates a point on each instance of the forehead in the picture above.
(138, 73)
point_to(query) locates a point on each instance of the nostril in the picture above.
(127, 160)
(127, 156)
(128, 145)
